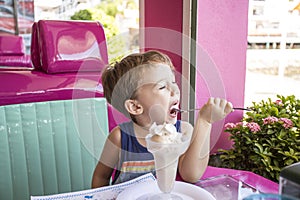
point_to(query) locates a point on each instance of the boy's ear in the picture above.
(133, 107)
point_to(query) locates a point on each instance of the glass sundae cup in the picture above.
(166, 157)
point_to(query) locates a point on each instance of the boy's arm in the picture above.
(109, 159)
(194, 161)
(101, 176)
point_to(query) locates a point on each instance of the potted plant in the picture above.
(266, 139)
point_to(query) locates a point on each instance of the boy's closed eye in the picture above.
(161, 85)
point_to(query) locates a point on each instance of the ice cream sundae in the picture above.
(166, 145)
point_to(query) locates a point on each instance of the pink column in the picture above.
(221, 58)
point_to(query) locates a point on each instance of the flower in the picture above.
(278, 102)
(230, 125)
(239, 124)
(253, 126)
(270, 120)
(287, 123)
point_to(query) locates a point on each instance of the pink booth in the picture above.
(12, 52)
(57, 70)
(67, 58)
(66, 61)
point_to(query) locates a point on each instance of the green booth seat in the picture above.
(50, 147)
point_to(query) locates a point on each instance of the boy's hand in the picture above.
(215, 109)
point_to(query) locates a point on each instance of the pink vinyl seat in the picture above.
(12, 53)
(68, 46)
(11, 45)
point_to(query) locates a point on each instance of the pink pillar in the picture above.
(221, 58)
(163, 28)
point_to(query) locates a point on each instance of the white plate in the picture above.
(185, 190)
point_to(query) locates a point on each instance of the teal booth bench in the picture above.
(50, 147)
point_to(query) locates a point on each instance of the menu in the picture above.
(103, 193)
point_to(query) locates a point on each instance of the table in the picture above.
(260, 183)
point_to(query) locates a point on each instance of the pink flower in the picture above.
(253, 126)
(230, 125)
(270, 120)
(287, 123)
(278, 102)
(239, 124)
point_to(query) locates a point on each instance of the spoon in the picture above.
(190, 110)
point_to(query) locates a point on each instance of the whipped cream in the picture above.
(165, 133)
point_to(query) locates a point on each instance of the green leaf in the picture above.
(289, 162)
(282, 133)
(259, 147)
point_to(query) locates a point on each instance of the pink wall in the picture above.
(221, 49)
(221, 57)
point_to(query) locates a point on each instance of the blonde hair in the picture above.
(120, 81)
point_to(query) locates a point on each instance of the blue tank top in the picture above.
(135, 160)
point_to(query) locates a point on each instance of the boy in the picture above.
(142, 86)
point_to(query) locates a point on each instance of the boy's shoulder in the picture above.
(115, 136)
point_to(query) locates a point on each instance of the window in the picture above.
(273, 55)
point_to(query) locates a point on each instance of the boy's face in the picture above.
(158, 93)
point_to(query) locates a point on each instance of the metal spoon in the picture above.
(190, 110)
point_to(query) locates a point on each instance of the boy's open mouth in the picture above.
(173, 112)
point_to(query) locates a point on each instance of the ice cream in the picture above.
(166, 145)
(165, 133)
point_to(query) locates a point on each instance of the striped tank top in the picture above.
(135, 160)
